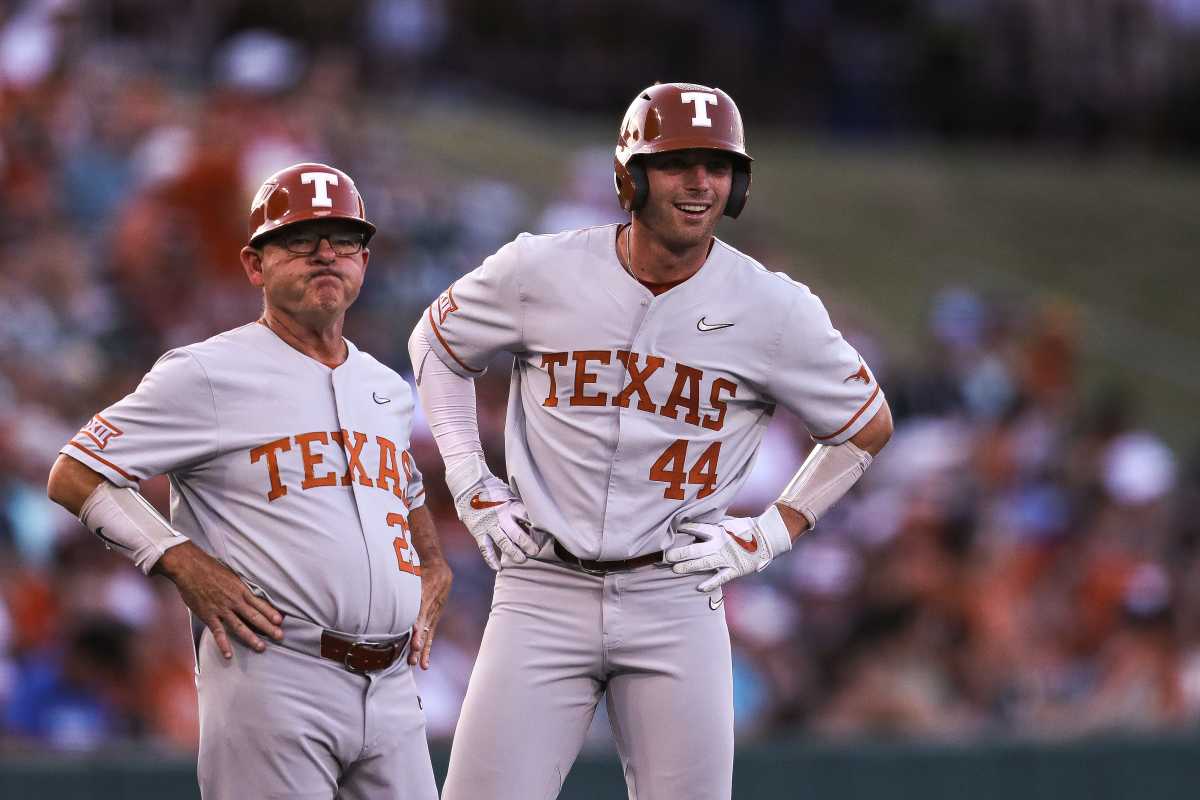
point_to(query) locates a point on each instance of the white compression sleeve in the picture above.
(123, 519)
(826, 475)
(448, 400)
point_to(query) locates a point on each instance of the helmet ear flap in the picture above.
(641, 184)
(632, 184)
(739, 190)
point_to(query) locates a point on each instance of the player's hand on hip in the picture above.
(219, 598)
(497, 520)
(731, 548)
(436, 578)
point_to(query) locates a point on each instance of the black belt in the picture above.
(359, 656)
(605, 567)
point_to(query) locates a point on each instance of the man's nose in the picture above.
(696, 176)
(324, 251)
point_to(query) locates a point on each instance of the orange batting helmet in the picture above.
(304, 192)
(679, 116)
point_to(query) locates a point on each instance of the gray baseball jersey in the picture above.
(630, 413)
(298, 477)
(295, 475)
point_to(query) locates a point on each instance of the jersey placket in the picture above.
(342, 385)
(640, 321)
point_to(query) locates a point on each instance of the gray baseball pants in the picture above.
(287, 724)
(556, 641)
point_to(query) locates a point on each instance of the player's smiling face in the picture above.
(688, 191)
(312, 269)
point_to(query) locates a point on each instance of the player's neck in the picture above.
(321, 341)
(654, 262)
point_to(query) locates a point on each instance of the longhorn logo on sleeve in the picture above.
(861, 375)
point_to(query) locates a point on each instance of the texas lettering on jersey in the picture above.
(301, 446)
(579, 367)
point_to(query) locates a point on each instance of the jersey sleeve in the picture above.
(479, 315)
(414, 495)
(169, 422)
(819, 376)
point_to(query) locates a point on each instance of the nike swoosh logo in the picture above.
(380, 400)
(749, 545)
(715, 604)
(478, 503)
(100, 533)
(702, 325)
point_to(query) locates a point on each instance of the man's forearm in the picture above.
(424, 536)
(810, 484)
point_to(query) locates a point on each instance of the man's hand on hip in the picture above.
(497, 520)
(734, 547)
(490, 510)
(219, 598)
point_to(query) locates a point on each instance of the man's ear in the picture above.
(252, 264)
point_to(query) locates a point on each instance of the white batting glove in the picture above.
(734, 547)
(491, 512)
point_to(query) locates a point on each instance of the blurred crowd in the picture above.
(1022, 559)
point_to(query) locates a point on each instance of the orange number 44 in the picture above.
(406, 557)
(669, 469)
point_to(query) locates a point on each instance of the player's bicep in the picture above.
(168, 422)
(820, 377)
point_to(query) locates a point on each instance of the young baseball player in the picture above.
(296, 516)
(649, 358)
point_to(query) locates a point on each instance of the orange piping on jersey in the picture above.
(866, 405)
(93, 437)
(449, 350)
(116, 430)
(104, 461)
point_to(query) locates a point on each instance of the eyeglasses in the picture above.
(305, 243)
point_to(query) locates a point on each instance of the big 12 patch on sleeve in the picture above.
(100, 431)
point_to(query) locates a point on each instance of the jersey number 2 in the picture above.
(669, 469)
(406, 559)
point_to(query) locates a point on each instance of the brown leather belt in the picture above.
(359, 656)
(605, 567)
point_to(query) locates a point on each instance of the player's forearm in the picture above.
(829, 472)
(71, 482)
(424, 536)
(794, 520)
